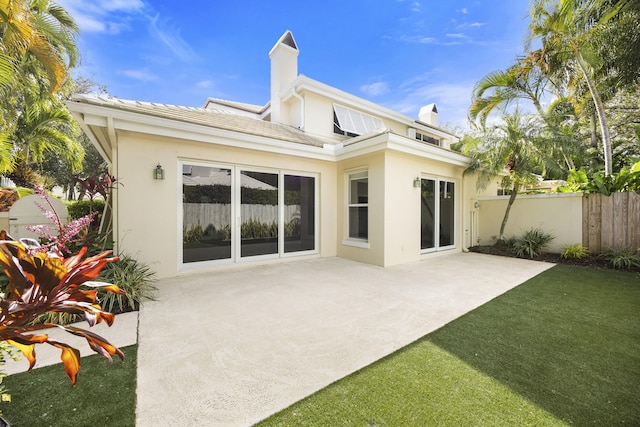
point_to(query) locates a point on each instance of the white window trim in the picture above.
(347, 240)
(236, 259)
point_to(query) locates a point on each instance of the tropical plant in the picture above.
(575, 251)
(36, 34)
(508, 150)
(524, 80)
(43, 282)
(566, 29)
(58, 235)
(531, 244)
(134, 278)
(622, 258)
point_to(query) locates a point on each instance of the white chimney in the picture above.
(429, 114)
(284, 70)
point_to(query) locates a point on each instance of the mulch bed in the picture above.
(588, 261)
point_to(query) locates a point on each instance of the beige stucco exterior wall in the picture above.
(557, 213)
(149, 209)
(394, 206)
(374, 165)
(402, 219)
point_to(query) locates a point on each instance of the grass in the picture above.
(104, 394)
(561, 349)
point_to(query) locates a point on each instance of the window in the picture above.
(206, 212)
(358, 206)
(231, 213)
(427, 139)
(353, 123)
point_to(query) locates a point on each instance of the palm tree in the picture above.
(509, 150)
(527, 79)
(39, 29)
(566, 28)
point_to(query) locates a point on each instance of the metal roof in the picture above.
(213, 118)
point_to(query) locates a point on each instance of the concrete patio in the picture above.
(232, 347)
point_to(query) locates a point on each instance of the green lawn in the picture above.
(104, 394)
(561, 349)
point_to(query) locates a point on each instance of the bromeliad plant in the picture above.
(44, 281)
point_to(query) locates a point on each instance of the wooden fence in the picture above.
(611, 221)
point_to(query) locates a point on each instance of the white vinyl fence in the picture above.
(219, 215)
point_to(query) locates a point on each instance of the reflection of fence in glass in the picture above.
(217, 217)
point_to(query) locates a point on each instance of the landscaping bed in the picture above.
(594, 261)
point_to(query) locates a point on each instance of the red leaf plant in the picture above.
(41, 282)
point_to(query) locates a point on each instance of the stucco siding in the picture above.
(147, 224)
(557, 214)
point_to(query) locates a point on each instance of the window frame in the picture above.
(349, 240)
(236, 204)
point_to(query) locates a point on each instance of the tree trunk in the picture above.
(512, 198)
(600, 113)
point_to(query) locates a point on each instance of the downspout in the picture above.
(294, 93)
(111, 132)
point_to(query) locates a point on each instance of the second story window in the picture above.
(353, 123)
(427, 139)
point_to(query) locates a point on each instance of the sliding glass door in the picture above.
(258, 213)
(437, 214)
(231, 214)
(206, 213)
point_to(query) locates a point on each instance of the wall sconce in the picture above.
(416, 182)
(158, 172)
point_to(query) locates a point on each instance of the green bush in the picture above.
(576, 251)
(79, 208)
(622, 258)
(530, 244)
(133, 277)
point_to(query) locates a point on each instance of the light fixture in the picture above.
(416, 182)
(158, 172)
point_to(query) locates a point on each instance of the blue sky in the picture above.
(402, 54)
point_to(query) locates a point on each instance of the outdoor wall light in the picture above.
(158, 172)
(416, 182)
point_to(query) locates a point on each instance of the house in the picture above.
(316, 172)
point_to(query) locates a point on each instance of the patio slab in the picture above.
(232, 347)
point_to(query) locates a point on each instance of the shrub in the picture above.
(80, 208)
(131, 276)
(576, 251)
(622, 258)
(530, 244)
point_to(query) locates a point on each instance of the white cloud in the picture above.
(456, 36)
(204, 84)
(171, 38)
(452, 99)
(142, 75)
(375, 89)
(464, 10)
(102, 16)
